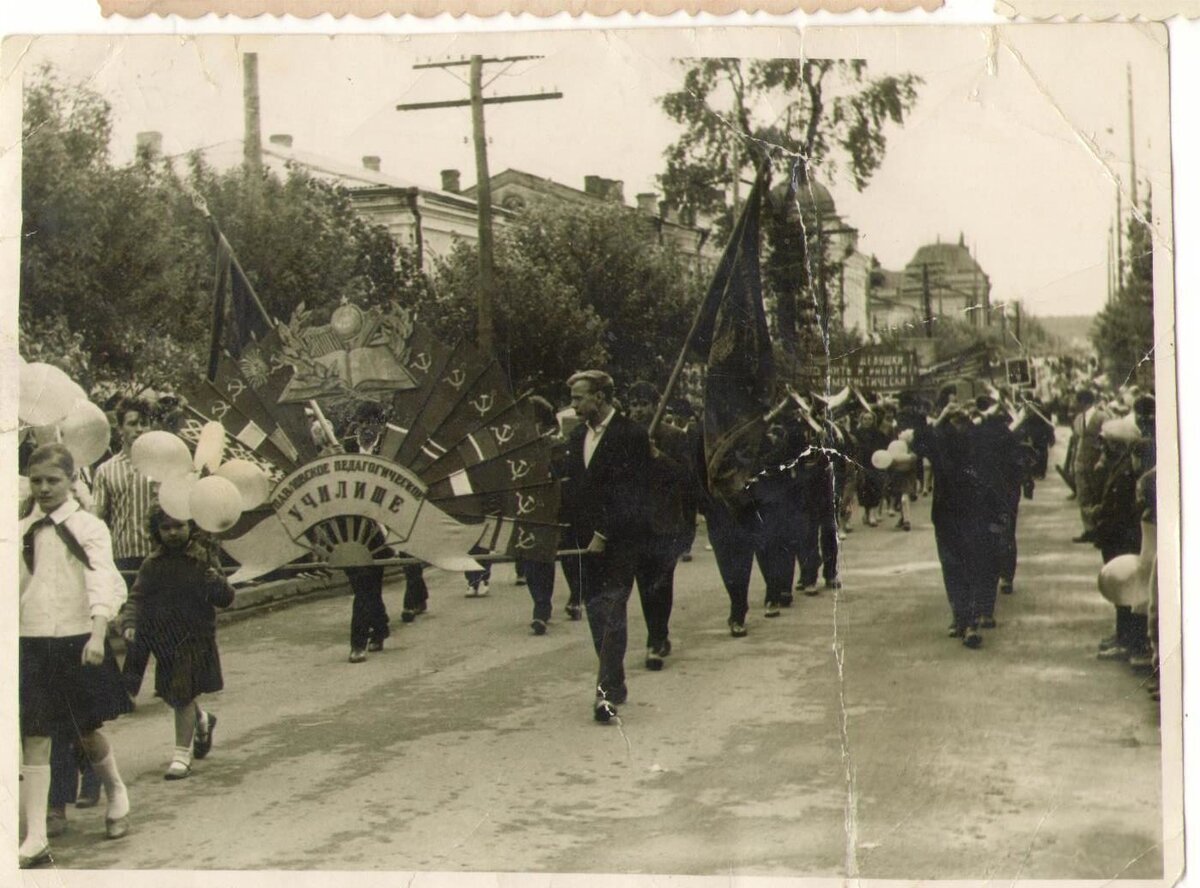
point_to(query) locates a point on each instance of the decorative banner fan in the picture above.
(459, 466)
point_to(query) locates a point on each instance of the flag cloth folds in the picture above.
(731, 338)
(238, 317)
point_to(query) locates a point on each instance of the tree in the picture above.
(827, 113)
(1123, 332)
(117, 264)
(577, 286)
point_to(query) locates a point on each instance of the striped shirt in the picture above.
(124, 498)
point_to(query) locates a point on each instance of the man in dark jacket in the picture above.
(667, 496)
(606, 462)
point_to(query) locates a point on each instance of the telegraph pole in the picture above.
(252, 141)
(483, 186)
(1132, 144)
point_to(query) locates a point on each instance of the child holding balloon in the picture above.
(172, 610)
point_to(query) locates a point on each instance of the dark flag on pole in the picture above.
(238, 317)
(731, 338)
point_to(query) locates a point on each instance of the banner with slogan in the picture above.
(874, 369)
(363, 486)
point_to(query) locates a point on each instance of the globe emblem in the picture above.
(347, 321)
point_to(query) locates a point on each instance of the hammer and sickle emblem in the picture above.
(503, 433)
(456, 378)
(483, 403)
(520, 468)
(235, 388)
(422, 362)
(525, 504)
(525, 539)
(219, 409)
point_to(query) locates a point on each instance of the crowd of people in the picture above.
(102, 561)
(1110, 467)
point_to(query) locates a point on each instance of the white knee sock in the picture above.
(114, 788)
(35, 790)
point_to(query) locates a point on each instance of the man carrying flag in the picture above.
(730, 335)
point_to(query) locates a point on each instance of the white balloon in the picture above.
(175, 495)
(251, 481)
(46, 394)
(881, 459)
(211, 446)
(898, 448)
(216, 504)
(85, 431)
(161, 456)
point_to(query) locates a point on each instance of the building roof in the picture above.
(812, 197)
(538, 183)
(952, 258)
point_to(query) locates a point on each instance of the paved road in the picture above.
(850, 736)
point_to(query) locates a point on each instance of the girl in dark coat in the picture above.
(172, 608)
(870, 481)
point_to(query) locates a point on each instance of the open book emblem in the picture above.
(357, 354)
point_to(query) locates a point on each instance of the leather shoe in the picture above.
(575, 612)
(654, 660)
(737, 629)
(116, 828)
(203, 742)
(358, 655)
(375, 645)
(31, 861)
(772, 609)
(972, 639)
(538, 627)
(604, 712)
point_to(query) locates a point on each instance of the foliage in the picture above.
(576, 287)
(1123, 332)
(824, 114)
(117, 264)
(827, 113)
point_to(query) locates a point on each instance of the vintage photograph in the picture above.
(724, 452)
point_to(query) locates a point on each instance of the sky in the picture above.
(1017, 140)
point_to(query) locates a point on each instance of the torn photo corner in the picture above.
(951, 246)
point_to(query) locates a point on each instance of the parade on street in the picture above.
(754, 527)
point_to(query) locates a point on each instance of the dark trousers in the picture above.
(539, 577)
(137, 654)
(738, 542)
(1008, 545)
(818, 545)
(655, 575)
(970, 574)
(605, 587)
(368, 615)
(67, 763)
(572, 566)
(416, 593)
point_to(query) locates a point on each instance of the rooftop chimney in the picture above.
(371, 162)
(283, 140)
(149, 145)
(450, 181)
(615, 191)
(647, 203)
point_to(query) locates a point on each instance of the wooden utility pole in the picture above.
(483, 186)
(1132, 144)
(252, 141)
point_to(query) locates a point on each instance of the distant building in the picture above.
(957, 285)
(514, 190)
